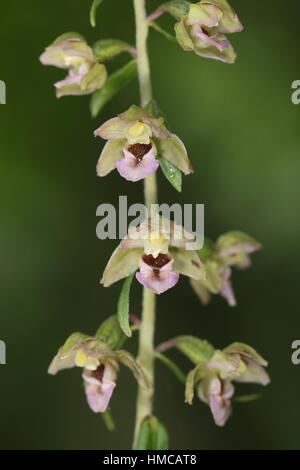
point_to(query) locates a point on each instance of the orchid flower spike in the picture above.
(99, 362)
(70, 51)
(202, 30)
(213, 378)
(159, 249)
(230, 250)
(134, 140)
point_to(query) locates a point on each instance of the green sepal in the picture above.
(123, 306)
(72, 342)
(171, 172)
(152, 435)
(114, 84)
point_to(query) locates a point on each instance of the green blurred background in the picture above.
(242, 133)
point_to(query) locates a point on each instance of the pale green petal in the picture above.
(65, 357)
(213, 276)
(247, 351)
(95, 78)
(228, 55)
(174, 150)
(112, 151)
(254, 373)
(187, 262)
(122, 263)
(112, 129)
(229, 23)
(183, 37)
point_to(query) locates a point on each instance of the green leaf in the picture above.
(93, 11)
(106, 49)
(152, 435)
(196, 349)
(114, 84)
(247, 398)
(173, 367)
(123, 306)
(171, 172)
(162, 31)
(110, 332)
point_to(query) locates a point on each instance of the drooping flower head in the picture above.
(215, 370)
(134, 140)
(202, 30)
(70, 51)
(158, 248)
(99, 362)
(230, 250)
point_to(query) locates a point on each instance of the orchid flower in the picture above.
(230, 250)
(213, 378)
(99, 362)
(159, 250)
(134, 140)
(202, 30)
(70, 51)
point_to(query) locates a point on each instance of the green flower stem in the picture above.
(142, 29)
(146, 336)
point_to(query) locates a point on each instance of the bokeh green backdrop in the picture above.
(242, 133)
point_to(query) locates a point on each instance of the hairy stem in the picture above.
(146, 335)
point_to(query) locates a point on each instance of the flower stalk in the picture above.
(146, 336)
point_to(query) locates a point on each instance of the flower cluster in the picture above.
(70, 51)
(215, 370)
(134, 140)
(158, 249)
(202, 30)
(100, 363)
(213, 378)
(230, 250)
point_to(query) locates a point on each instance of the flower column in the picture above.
(146, 336)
